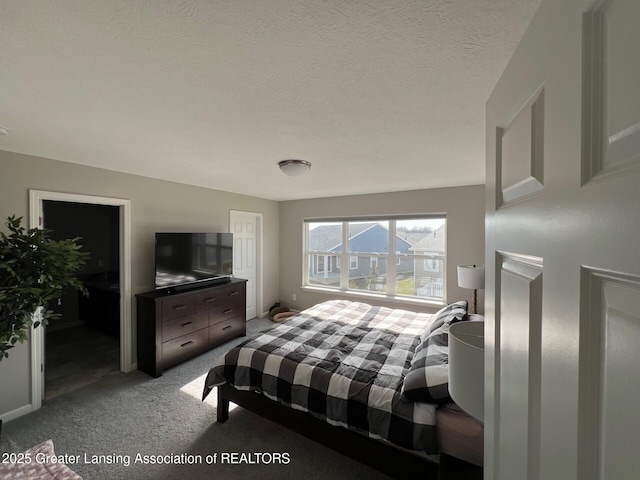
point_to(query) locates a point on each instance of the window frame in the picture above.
(392, 257)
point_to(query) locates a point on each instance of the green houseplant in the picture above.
(34, 270)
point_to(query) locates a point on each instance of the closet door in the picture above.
(245, 227)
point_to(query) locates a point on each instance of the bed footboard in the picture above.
(380, 456)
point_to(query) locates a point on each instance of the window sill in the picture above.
(375, 296)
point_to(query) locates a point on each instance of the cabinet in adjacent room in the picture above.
(173, 327)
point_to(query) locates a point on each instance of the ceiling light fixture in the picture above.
(294, 168)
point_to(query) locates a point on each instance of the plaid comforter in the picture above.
(343, 362)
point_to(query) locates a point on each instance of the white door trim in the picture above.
(259, 221)
(36, 198)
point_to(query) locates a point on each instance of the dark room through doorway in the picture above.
(83, 345)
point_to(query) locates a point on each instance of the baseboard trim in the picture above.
(18, 412)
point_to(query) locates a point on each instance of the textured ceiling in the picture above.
(380, 95)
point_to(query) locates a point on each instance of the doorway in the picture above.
(37, 199)
(83, 344)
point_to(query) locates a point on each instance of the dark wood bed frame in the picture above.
(383, 457)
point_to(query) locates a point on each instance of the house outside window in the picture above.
(400, 256)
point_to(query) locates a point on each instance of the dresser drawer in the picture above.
(178, 307)
(185, 347)
(226, 330)
(176, 327)
(224, 312)
(207, 300)
(221, 296)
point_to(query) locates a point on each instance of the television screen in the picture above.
(186, 258)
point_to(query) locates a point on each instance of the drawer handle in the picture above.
(210, 299)
(187, 343)
(179, 307)
(228, 326)
(185, 324)
(228, 311)
(233, 293)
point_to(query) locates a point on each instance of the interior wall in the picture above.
(155, 206)
(464, 207)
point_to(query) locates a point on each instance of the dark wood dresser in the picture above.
(173, 327)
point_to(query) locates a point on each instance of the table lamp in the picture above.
(471, 276)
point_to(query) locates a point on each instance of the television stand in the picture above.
(173, 327)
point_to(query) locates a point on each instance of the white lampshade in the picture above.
(471, 276)
(294, 168)
(466, 366)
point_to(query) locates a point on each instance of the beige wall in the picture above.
(464, 207)
(155, 205)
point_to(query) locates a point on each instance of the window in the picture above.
(431, 265)
(394, 256)
(323, 264)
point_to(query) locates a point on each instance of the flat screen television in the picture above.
(192, 259)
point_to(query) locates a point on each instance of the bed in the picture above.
(368, 381)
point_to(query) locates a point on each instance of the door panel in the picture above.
(520, 153)
(620, 436)
(519, 380)
(611, 72)
(611, 332)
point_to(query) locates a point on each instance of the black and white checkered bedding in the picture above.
(343, 362)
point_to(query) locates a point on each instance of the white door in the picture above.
(245, 227)
(562, 248)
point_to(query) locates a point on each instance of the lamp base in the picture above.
(475, 301)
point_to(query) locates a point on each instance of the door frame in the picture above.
(36, 198)
(258, 223)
